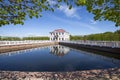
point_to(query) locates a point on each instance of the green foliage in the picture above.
(105, 10)
(10, 38)
(36, 38)
(16, 11)
(107, 36)
(24, 38)
(117, 32)
(76, 37)
(80, 2)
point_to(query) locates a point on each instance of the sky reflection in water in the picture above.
(54, 58)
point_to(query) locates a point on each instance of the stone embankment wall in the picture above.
(112, 47)
(9, 48)
(90, 47)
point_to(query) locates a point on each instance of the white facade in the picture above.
(59, 35)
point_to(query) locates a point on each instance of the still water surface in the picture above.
(55, 58)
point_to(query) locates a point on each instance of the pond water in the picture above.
(55, 58)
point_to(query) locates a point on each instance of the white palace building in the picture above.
(59, 35)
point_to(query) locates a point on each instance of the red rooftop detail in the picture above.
(59, 30)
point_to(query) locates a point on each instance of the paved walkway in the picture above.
(103, 74)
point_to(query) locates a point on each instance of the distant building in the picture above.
(59, 35)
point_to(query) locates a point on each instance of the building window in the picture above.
(62, 38)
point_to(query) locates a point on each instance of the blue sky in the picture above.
(76, 21)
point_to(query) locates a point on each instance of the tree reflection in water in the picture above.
(59, 50)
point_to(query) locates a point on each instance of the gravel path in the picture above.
(102, 74)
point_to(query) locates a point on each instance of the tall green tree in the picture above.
(15, 11)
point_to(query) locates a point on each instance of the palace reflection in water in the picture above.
(59, 50)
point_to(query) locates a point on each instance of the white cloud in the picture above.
(52, 2)
(69, 12)
(65, 9)
(93, 22)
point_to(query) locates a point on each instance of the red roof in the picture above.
(59, 30)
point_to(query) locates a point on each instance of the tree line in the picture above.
(9, 38)
(36, 38)
(107, 36)
(24, 38)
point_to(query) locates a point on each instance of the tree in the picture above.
(117, 32)
(0, 38)
(106, 36)
(16, 11)
(10, 38)
(36, 38)
(105, 10)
